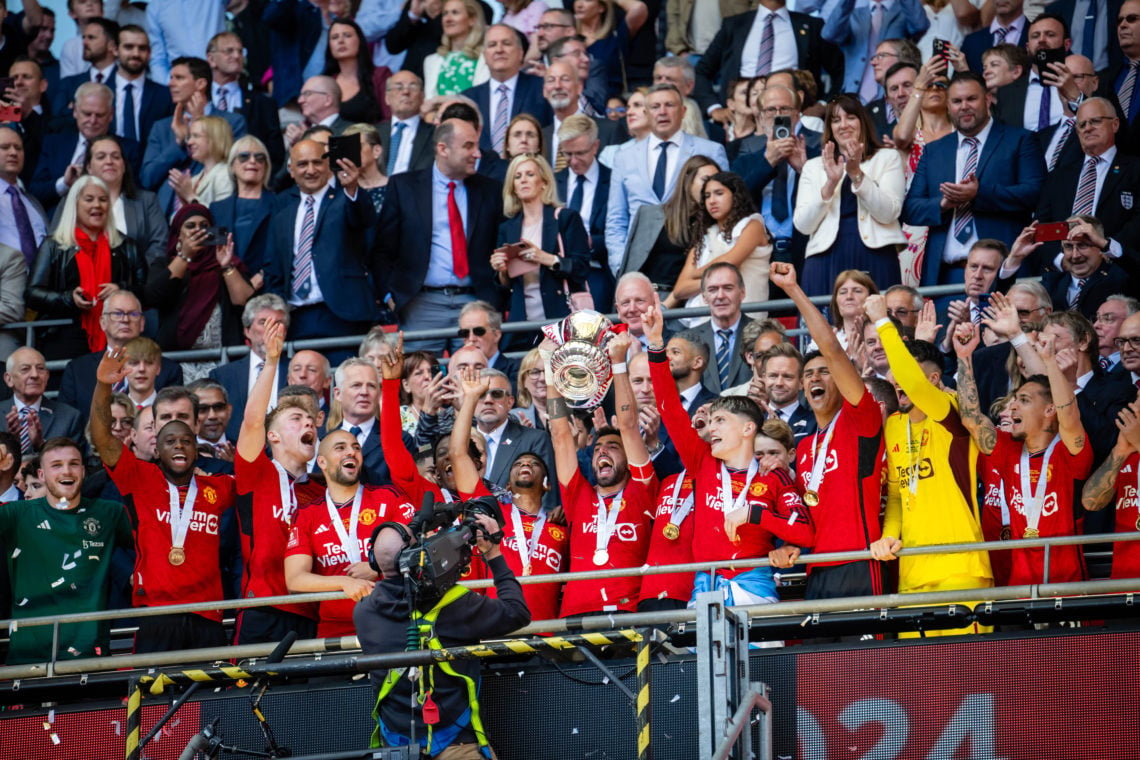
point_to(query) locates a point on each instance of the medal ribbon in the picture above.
(348, 539)
(180, 515)
(914, 462)
(726, 485)
(1032, 508)
(288, 494)
(819, 463)
(607, 521)
(680, 511)
(520, 535)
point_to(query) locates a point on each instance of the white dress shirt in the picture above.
(1012, 32)
(365, 429)
(588, 189)
(494, 438)
(671, 161)
(233, 95)
(784, 52)
(956, 251)
(315, 295)
(512, 87)
(255, 364)
(1031, 112)
(121, 85)
(407, 140)
(690, 394)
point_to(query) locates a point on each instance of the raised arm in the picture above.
(1001, 317)
(688, 443)
(561, 435)
(636, 452)
(251, 437)
(405, 476)
(846, 377)
(112, 368)
(981, 428)
(1064, 400)
(1101, 486)
(463, 466)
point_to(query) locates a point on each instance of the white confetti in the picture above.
(645, 567)
(13, 626)
(23, 602)
(118, 727)
(605, 597)
(573, 731)
(15, 553)
(662, 595)
(55, 739)
(57, 583)
(47, 726)
(51, 716)
(676, 698)
(521, 673)
(73, 651)
(606, 681)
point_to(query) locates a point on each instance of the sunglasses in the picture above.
(619, 110)
(245, 155)
(497, 393)
(217, 408)
(465, 333)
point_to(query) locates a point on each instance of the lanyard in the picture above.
(819, 463)
(726, 486)
(520, 536)
(915, 462)
(351, 545)
(607, 521)
(288, 494)
(680, 510)
(1032, 507)
(180, 515)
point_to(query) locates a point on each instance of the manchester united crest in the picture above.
(556, 533)
(210, 495)
(367, 516)
(758, 489)
(91, 526)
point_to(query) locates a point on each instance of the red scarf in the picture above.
(94, 262)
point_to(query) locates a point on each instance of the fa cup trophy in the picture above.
(581, 365)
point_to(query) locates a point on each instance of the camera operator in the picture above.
(446, 712)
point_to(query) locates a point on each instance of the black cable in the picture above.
(584, 682)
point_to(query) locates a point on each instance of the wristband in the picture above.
(619, 368)
(642, 472)
(1019, 340)
(880, 322)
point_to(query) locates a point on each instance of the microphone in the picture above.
(282, 649)
(200, 742)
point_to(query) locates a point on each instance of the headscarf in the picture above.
(93, 259)
(203, 283)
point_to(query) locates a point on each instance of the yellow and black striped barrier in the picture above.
(134, 718)
(644, 752)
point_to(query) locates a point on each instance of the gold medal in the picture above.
(811, 498)
(671, 532)
(1032, 533)
(1138, 523)
(176, 556)
(601, 557)
(526, 569)
(1006, 533)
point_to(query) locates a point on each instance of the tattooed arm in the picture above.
(561, 434)
(1101, 486)
(981, 428)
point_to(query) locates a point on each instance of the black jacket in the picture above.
(382, 626)
(55, 275)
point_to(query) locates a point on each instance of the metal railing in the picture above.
(600, 622)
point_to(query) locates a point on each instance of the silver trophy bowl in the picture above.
(581, 365)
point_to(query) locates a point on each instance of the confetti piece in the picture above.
(645, 567)
(51, 716)
(55, 739)
(358, 676)
(521, 673)
(15, 553)
(676, 698)
(573, 731)
(13, 627)
(23, 602)
(57, 583)
(662, 595)
(605, 597)
(118, 727)
(73, 651)
(47, 726)
(606, 680)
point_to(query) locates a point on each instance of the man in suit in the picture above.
(594, 74)
(585, 184)
(646, 172)
(980, 181)
(357, 388)
(633, 294)
(238, 376)
(689, 356)
(505, 437)
(1091, 23)
(63, 155)
(100, 53)
(23, 224)
(1059, 142)
(723, 289)
(121, 321)
(1086, 277)
(30, 417)
(1121, 83)
(859, 31)
(771, 170)
(320, 107)
(563, 90)
(28, 90)
(1009, 25)
(230, 93)
(1041, 99)
(898, 82)
(1109, 319)
(508, 92)
(436, 233)
(406, 137)
(481, 326)
(139, 101)
(781, 366)
(166, 145)
(759, 42)
(316, 258)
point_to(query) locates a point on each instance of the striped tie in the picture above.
(502, 117)
(724, 356)
(1080, 282)
(223, 102)
(303, 265)
(1086, 190)
(25, 431)
(964, 216)
(1127, 89)
(394, 146)
(767, 47)
(1103, 363)
(999, 35)
(1065, 128)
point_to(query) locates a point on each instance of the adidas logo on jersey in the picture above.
(45, 525)
(1128, 468)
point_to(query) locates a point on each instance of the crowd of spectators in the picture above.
(197, 176)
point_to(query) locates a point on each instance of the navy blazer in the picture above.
(402, 250)
(1010, 172)
(77, 385)
(55, 157)
(339, 253)
(596, 218)
(423, 150)
(1066, 8)
(156, 103)
(294, 28)
(572, 270)
(251, 245)
(982, 40)
(234, 377)
(528, 99)
(1108, 280)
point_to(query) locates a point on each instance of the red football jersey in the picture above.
(627, 546)
(156, 581)
(670, 551)
(265, 519)
(1062, 479)
(313, 535)
(1126, 554)
(995, 516)
(850, 495)
(405, 476)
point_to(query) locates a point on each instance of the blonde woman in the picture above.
(209, 144)
(458, 64)
(530, 402)
(543, 244)
(246, 213)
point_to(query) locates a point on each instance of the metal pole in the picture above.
(757, 696)
(644, 749)
(1045, 576)
(134, 717)
(169, 714)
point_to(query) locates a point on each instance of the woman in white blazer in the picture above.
(209, 144)
(849, 202)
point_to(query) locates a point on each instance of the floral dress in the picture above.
(456, 74)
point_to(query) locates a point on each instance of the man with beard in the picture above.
(139, 101)
(737, 508)
(609, 523)
(532, 543)
(176, 515)
(840, 466)
(688, 356)
(1041, 460)
(932, 466)
(781, 367)
(269, 491)
(36, 534)
(328, 543)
